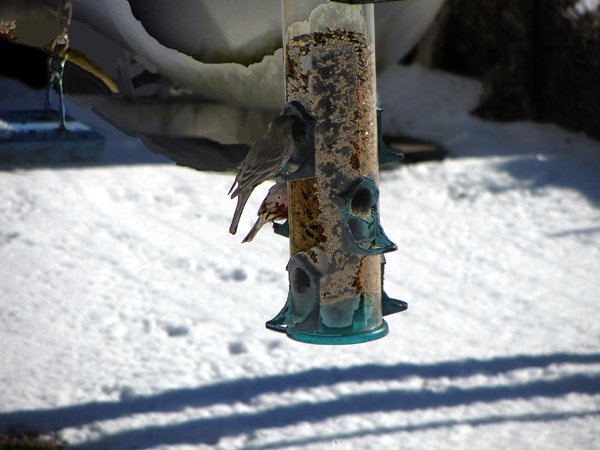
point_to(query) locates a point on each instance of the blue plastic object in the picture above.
(301, 164)
(36, 137)
(282, 229)
(302, 317)
(389, 305)
(385, 154)
(363, 233)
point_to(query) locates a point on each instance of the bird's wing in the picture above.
(252, 173)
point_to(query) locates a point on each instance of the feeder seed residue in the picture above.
(333, 75)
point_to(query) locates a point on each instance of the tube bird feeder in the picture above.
(336, 240)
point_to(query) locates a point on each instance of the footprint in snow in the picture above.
(237, 348)
(237, 274)
(176, 330)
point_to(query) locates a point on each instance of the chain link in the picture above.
(58, 58)
(65, 12)
(60, 44)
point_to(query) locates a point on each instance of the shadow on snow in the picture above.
(210, 430)
(558, 170)
(432, 425)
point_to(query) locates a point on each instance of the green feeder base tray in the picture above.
(341, 339)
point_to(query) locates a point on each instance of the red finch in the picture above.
(273, 207)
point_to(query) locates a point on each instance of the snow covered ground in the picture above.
(130, 318)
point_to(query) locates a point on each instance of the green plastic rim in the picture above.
(341, 339)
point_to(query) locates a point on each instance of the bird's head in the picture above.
(282, 124)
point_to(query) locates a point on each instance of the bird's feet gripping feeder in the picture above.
(336, 241)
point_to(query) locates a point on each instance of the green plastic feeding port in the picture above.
(301, 164)
(386, 154)
(363, 233)
(304, 318)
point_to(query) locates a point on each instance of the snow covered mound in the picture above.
(130, 318)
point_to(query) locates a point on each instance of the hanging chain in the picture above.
(58, 58)
(65, 13)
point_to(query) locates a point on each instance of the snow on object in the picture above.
(399, 25)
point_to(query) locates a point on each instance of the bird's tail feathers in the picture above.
(257, 226)
(232, 186)
(235, 193)
(236, 180)
(242, 199)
